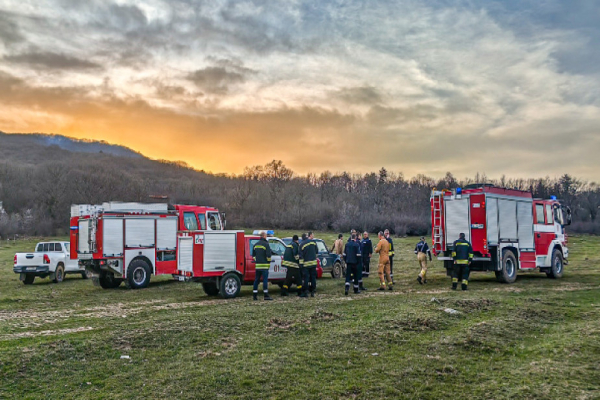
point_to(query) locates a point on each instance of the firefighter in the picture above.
(383, 248)
(463, 256)
(367, 253)
(352, 256)
(261, 252)
(422, 250)
(389, 239)
(291, 260)
(308, 259)
(360, 267)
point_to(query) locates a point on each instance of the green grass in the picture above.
(537, 338)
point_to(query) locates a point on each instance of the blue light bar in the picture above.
(269, 232)
(458, 190)
(74, 228)
(552, 197)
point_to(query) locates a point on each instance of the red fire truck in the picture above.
(129, 242)
(509, 230)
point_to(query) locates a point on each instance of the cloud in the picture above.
(52, 61)
(502, 87)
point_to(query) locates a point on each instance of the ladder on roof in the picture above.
(438, 242)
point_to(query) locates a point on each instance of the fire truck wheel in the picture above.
(336, 271)
(210, 288)
(108, 281)
(59, 274)
(556, 270)
(508, 274)
(138, 275)
(29, 278)
(230, 286)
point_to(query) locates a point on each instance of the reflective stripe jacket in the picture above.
(389, 239)
(291, 257)
(261, 252)
(463, 252)
(308, 253)
(422, 247)
(352, 252)
(367, 248)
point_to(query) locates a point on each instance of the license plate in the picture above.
(181, 278)
(31, 268)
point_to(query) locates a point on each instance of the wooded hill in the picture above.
(42, 175)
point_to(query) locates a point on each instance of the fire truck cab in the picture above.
(508, 230)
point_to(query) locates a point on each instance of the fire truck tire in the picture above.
(337, 270)
(108, 281)
(230, 286)
(29, 278)
(508, 274)
(59, 274)
(556, 270)
(210, 288)
(138, 275)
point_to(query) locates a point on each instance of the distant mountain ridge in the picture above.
(72, 144)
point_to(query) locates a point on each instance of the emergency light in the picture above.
(458, 190)
(269, 232)
(552, 197)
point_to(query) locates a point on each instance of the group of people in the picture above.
(300, 259)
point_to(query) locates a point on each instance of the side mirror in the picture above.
(569, 216)
(224, 219)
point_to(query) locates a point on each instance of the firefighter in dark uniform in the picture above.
(261, 252)
(361, 267)
(291, 260)
(391, 254)
(462, 255)
(367, 252)
(308, 260)
(352, 257)
(422, 250)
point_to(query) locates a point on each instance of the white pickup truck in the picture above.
(49, 259)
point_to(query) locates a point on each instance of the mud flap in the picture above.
(22, 276)
(52, 276)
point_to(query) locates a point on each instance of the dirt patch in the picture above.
(470, 305)
(321, 315)
(22, 335)
(418, 324)
(280, 325)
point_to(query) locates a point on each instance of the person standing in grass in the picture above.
(391, 242)
(352, 256)
(463, 256)
(261, 252)
(383, 249)
(291, 260)
(367, 253)
(422, 250)
(308, 259)
(338, 245)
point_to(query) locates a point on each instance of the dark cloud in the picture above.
(9, 30)
(219, 77)
(359, 95)
(54, 61)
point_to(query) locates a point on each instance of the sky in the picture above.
(507, 87)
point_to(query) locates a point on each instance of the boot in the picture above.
(420, 280)
(356, 291)
(425, 281)
(381, 288)
(255, 296)
(304, 294)
(361, 287)
(463, 286)
(284, 291)
(454, 285)
(267, 297)
(390, 287)
(346, 290)
(312, 294)
(299, 290)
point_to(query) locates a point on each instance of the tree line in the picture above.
(37, 195)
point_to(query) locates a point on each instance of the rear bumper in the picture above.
(41, 270)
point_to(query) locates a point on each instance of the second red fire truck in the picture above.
(509, 230)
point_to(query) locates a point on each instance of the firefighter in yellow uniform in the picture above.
(422, 250)
(383, 249)
(462, 255)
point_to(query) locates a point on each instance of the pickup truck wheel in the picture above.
(85, 275)
(59, 274)
(108, 281)
(29, 278)
(336, 271)
(556, 270)
(230, 286)
(138, 275)
(508, 274)
(210, 288)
